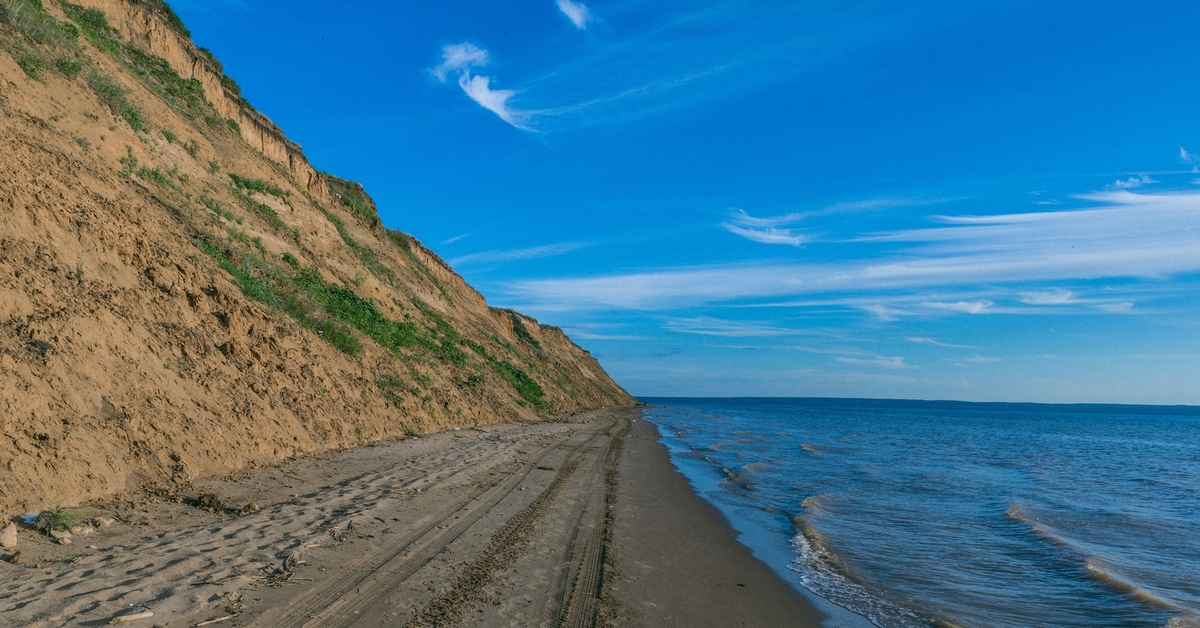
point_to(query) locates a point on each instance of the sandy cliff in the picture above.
(183, 294)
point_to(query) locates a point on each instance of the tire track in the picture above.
(357, 586)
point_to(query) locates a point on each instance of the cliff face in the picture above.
(183, 294)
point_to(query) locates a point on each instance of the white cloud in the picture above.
(764, 230)
(1131, 183)
(1123, 235)
(882, 362)
(494, 100)
(576, 12)
(512, 255)
(460, 58)
(1050, 297)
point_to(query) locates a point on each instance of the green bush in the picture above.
(255, 185)
(69, 67)
(32, 64)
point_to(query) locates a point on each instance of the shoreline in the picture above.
(678, 558)
(540, 524)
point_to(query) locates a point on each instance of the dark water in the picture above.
(952, 514)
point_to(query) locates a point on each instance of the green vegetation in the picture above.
(173, 19)
(391, 386)
(169, 135)
(290, 260)
(83, 143)
(69, 67)
(255, 185)
(523, 333)
(525, 385)
(234, 126)
(113, 95)
(59, 519)
(155, 175)
(33, 64)
(364, 255)
(212, 59)
(354, 198)
(264, 211)
(30, 19)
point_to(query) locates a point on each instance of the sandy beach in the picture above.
(576, 523)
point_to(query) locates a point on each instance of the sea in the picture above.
(928, 513)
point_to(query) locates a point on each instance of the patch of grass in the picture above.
(290, 260)
(526, 386)
(32, 64)
(192, 148)
(234, 126)
(271, 286)
(214, 166)
(113, 95)
(364, 254)
(155, 175)
(83, 143)
(184, 95)
(264, 211)
(256, 185)
(69, 67)
(59, 519)
(391, 386)
(523, 333)
(30, 19)
(173, 19)
(79, 271)
(169, 135)
(354, 197)
(218, 209)
(231, 85)
(212, 59)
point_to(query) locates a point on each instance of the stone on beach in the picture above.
(8, 537)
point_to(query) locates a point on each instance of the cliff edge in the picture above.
(182, 294)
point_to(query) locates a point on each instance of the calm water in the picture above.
(951, 514)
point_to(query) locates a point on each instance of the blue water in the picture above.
(954, 514)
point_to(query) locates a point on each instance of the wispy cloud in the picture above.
(936, 343)
(461, 59)
(975, 359)
(1123, 234)
(457, 238)
(896, 363)
(494, 100)
(577, 12)
(763, 230)
(513, 255)
(965, 307)
(706, 326)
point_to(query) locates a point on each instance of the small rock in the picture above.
(103, 522)
(66, 540)
(86, 530)
(59, 535)
(248, 508)
(16, 559)
(8, 537)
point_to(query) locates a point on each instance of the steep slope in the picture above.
(183, 294)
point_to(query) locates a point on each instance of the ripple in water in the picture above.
(917, 514)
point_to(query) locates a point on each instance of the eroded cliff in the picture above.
(183, 294)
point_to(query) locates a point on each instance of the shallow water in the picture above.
(953, 514)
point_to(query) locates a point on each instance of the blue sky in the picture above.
(983, 201)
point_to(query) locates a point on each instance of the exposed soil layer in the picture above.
(182, 295)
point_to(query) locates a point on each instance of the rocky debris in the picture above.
(102, 522)
(214, 504)
(16, 559)
(8, 537)
(62, 536)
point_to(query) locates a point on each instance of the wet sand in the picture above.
(575, 523)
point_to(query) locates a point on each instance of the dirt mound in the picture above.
(183, 295)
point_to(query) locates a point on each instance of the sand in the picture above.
(575, 523)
